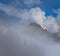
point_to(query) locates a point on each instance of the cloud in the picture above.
(58, 17)
(49, 23)
(31, 2)
(24, 14)
(28, 40)
(34, 15)
(16, 41)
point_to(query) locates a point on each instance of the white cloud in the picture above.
(33, 15)
(31, 2)
(21, 14)
(58, 17)
(49, 23)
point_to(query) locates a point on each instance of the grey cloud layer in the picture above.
(26, 40)
(14, 41)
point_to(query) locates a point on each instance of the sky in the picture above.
(29, 27)
(46, 5)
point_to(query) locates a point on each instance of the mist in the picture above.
(18, 39)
